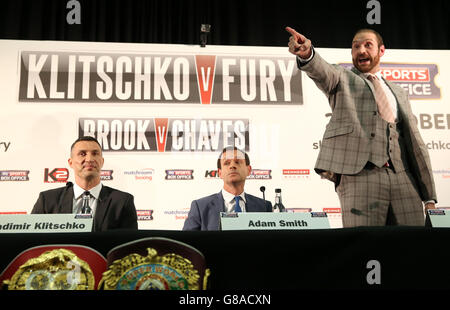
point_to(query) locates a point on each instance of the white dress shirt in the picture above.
(229, 201)
(78, 198)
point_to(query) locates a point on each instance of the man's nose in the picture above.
(361, 50)
(89, 157)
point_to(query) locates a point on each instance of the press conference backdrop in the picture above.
(162, 114)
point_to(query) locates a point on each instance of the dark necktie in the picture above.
(237, 207)
(86, 209)
(382, 102)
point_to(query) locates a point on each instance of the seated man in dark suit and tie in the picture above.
(234, 167)
(111, 208)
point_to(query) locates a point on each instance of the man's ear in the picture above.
(382, 50)
(69, 161)
(220, 173)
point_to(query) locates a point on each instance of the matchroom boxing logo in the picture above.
(416, 79)
(159, 78)
(166, 134)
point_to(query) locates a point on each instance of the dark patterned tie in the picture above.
(86, 209)
(237, 207)
(382, 102)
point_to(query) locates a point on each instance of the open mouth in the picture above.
(363, 61)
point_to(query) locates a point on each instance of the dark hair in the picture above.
(85, 138)
(232, 148)
(379, 37)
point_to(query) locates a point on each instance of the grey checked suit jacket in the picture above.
(204, 212)
(345, 144)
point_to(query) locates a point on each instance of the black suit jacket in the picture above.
(204, 213)
(115, 209)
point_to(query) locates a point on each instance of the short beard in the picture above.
(373, 63)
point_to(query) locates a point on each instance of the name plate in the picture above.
(45, 223)
(438, 218)
(273, 221)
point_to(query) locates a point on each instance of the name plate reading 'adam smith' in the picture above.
(273, 221)
(45, 223)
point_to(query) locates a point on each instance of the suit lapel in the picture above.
(66, 205)
(369, 84)
(252, 204)
(215, 206)
(218, 203)
(103, 204)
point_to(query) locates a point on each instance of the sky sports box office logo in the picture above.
(159, 78)
(144, 215)
(166, 134)
(14, 175)
(416, 79)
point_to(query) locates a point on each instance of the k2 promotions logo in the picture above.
(416, 79)
(57, 175)
(166, 134)
(212, 174)
(159, 78)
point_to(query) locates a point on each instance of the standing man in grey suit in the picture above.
(234, 167)
(371, 148)
(110, 208)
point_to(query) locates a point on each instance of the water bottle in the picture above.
(278, 206)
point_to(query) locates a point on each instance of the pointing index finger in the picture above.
(298, 37)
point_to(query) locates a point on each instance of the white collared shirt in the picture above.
(229, 201)
(388, 92)
(78, 198)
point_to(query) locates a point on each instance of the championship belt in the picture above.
(155, 264)
(55, 267)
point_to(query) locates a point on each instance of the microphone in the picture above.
(263, 189)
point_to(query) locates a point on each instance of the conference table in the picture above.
(406, 257)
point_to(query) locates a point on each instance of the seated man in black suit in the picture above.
(234, 167)
(111, 208)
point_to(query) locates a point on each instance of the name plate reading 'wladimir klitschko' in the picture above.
(273, 221)
(45, 223)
